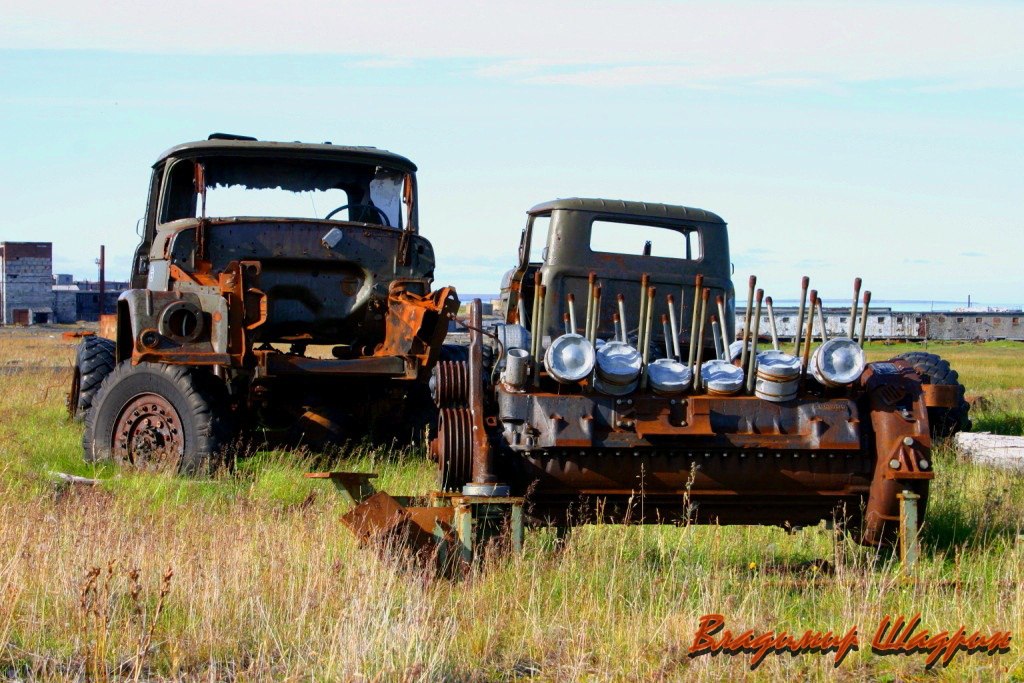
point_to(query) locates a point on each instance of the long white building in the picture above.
(884, 323)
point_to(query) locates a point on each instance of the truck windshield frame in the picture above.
(288, 188)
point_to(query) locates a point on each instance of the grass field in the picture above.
(249, 576)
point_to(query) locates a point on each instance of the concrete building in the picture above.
(65, 303)
(884, 323)
(26, 281)
(87, 300)
(31, 294)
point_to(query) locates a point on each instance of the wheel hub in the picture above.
(148, 432)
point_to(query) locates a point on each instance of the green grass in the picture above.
(268, 585)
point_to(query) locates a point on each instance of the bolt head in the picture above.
(908, 441)
(923, 464)
(894, 464)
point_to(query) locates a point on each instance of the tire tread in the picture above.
(944, 421)
(203, 397)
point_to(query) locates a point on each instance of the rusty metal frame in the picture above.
(940, 395)
(415, 329)
(451, 531)
(483, 462)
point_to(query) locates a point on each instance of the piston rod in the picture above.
(673, 324)
(771, 323)
(864, 317)
(746, 320)
(704, 296)
(800, 315)
(698, 285)
(752, 369)
(853, 307)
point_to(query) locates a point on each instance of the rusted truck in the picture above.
(618, 390)
(281, 287)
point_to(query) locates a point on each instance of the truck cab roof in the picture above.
(626, 208)
(240, 146)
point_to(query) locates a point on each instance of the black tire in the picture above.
(200, 414)
(94, 360)
(942, 421)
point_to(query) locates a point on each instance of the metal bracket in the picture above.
(453, 527)
(355, 487)
(479, 519)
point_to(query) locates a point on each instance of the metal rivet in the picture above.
(894, 463)
(908, 441)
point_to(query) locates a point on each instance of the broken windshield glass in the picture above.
(287, 188)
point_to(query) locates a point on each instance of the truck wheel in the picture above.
(153, 415)
(942, 421)
(94, 360)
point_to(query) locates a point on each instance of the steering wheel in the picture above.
(383, 215)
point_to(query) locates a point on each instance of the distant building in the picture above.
(885, 323)
(30, 293)
(87, 300)
(65, 302)
(26, 277)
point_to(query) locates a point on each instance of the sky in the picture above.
(881, 140)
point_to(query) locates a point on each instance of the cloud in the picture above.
(973, 254)
(926, 46)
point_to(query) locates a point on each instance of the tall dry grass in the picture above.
(249, 576)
